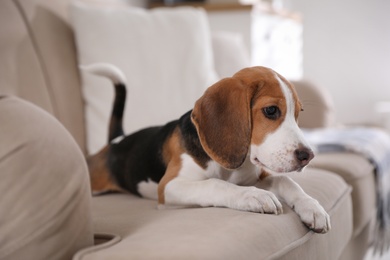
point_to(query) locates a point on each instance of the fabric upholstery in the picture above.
(317, 104)
(359, 173)
(359, 244)
(20, 70)
(219, 233)
(45, 202)
(38, 67)
(49, 219)
(230, 53)
(165, 53)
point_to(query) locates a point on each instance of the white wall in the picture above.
(347, 50)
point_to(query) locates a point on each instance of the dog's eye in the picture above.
(271, 112)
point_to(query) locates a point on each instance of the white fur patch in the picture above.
(308, 209)
(148, 189)
(214, 192)
(106, 70)
(216, 186)
(118, 139)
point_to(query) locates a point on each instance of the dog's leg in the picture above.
(219, 193)
(309, 210)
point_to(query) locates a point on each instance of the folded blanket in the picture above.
(374, 144)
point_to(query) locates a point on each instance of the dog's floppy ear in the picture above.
(222, 118)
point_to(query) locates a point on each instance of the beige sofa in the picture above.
(47, 209)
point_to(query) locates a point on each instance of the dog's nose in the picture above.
(304, 156)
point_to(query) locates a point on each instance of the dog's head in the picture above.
(254, 113)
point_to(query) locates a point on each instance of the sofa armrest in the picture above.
(317, 103)
(45, 201)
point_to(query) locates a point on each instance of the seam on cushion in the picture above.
(350, 179)
(370, 168)
(38, 54)
(12, 152)
(310, 233)
(357, 231)
(114, 239)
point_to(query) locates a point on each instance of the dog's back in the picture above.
(139, 157)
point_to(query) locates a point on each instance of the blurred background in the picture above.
(343, 46)
(346, 48)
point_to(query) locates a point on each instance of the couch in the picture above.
(47, 208)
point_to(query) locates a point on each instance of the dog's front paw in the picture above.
(257, 200)
(313, 215)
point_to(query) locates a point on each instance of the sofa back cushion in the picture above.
(165, 53)
(38, 60)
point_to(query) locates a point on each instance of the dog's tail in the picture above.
(119, 80)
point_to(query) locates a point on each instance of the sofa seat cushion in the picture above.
(358, 172)
(221, 233)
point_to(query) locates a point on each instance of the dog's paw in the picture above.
(313, 215)
(257, 200)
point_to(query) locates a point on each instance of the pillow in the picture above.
(230, 53)
(165, 53)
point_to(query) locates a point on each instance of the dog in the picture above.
(238, 139)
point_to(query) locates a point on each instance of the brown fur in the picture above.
(171, 155)
(100, 176)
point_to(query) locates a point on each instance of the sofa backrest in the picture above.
(38, 60)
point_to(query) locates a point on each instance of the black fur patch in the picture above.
(138, 157)
(118, 108)
(191, 140)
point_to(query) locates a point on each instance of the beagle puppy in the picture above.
(238, 139)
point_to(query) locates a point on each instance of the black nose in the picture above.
(304, 156)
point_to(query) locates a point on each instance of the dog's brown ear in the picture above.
(222, 118)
